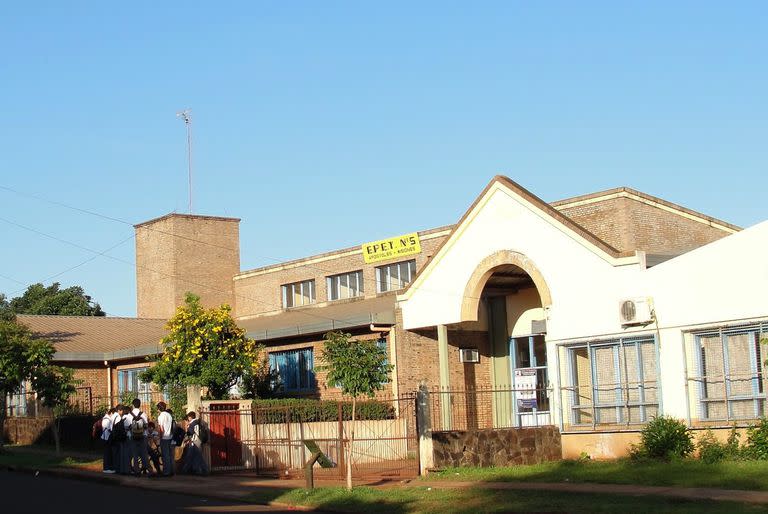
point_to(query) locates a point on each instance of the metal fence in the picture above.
(278, 439)
(502, 407)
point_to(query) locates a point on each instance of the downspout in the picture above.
(109, 382)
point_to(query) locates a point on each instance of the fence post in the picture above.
(424, 429)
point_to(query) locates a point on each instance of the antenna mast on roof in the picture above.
(186, 115)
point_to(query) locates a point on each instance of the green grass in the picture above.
(749, 475)
(34, 458)
(455, 501)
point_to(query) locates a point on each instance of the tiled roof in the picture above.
(97, 337)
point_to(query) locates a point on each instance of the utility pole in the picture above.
(186, 115)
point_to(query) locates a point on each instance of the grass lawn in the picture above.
(750, 475)
(421, 499)
(31, 457)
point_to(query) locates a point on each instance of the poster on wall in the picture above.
(525, 387)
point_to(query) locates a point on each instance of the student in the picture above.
(194, 463)
(136, 425)
(165, 427)
(116, 437)
(153, 446)
(125, 443)
(106, 431)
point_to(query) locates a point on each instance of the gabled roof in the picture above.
(97, 337)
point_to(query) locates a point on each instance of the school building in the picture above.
(591, 314)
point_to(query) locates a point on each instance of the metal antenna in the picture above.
(186, 115)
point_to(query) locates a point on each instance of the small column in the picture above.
(445, 378)
(424, 427)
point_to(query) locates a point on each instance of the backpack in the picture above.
(118, 434)
(177, 434)
(202, 432)
(96, 429)
(137, 427)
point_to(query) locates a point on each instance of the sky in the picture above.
(329, 124)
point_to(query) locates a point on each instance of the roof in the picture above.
(185, 216)
(97, 337)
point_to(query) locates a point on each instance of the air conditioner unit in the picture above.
(469, 355)
(636, 311)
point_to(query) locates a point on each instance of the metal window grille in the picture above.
(729, 380)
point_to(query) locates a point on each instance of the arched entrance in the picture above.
(513, 292)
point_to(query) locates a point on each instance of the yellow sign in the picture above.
(392, 248)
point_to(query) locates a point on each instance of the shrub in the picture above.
(711, 450)
(308, 410)
(664, 437)
(756, 446)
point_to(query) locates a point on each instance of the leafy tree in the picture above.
(54, 385)
(205, 347)
(53, 300)
(22, 358)
(6, 313)
(359, 368)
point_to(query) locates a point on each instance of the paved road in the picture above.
(23, 493)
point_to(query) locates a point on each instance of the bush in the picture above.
(308, 411)
(664, 437)
(711, 450)
(756, 446)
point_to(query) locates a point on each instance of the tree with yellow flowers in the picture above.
(205, 347)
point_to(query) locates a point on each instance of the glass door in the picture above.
(530, 400)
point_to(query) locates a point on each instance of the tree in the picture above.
(53, 300)
(205, 347)
(22, 358)
(359, 368)
(54, 385)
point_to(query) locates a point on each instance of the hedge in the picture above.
(308, 410)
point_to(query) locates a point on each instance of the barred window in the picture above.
(613, 382)
(294, 369)
(731, 378)
(346, 285)
(298, 293)
(129, 383)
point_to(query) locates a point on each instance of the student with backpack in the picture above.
(136, 425)
(121, 440)
(166, 426)
(117, 438)
(197, 435)
(105, 432)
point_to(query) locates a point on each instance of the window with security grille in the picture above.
(731, 377)
(294, 369)
(395, 276)
(346, 285)
(613, 382)
(128, 381)
(298, 293)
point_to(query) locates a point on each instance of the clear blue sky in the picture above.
(327, 124)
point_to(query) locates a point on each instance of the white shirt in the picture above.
(164, 421)
(106, 427)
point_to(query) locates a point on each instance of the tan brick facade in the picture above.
(180, 253)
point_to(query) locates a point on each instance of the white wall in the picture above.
(723, 281)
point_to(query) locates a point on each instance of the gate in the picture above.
(280, 439)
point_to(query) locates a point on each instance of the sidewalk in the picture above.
(243, 487)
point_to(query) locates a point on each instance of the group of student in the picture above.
(132, 442)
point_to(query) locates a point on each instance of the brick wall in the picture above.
(180, 253)
(259, 291)
(628, 224)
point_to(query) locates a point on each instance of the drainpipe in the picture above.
(109, 382)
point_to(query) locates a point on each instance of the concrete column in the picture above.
(424, 427)
(445, 376)
(194, 399)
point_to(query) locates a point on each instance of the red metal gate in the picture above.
(226, 446)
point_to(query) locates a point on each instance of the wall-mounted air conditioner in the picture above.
(636, 311)
(469, 355)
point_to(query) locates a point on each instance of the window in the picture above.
(298, 293)
(128, 381)
(730, 363)
(295, 370)
(346, 285)
(395, 276)
(613, 382)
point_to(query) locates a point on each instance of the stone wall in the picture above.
(499, 447)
